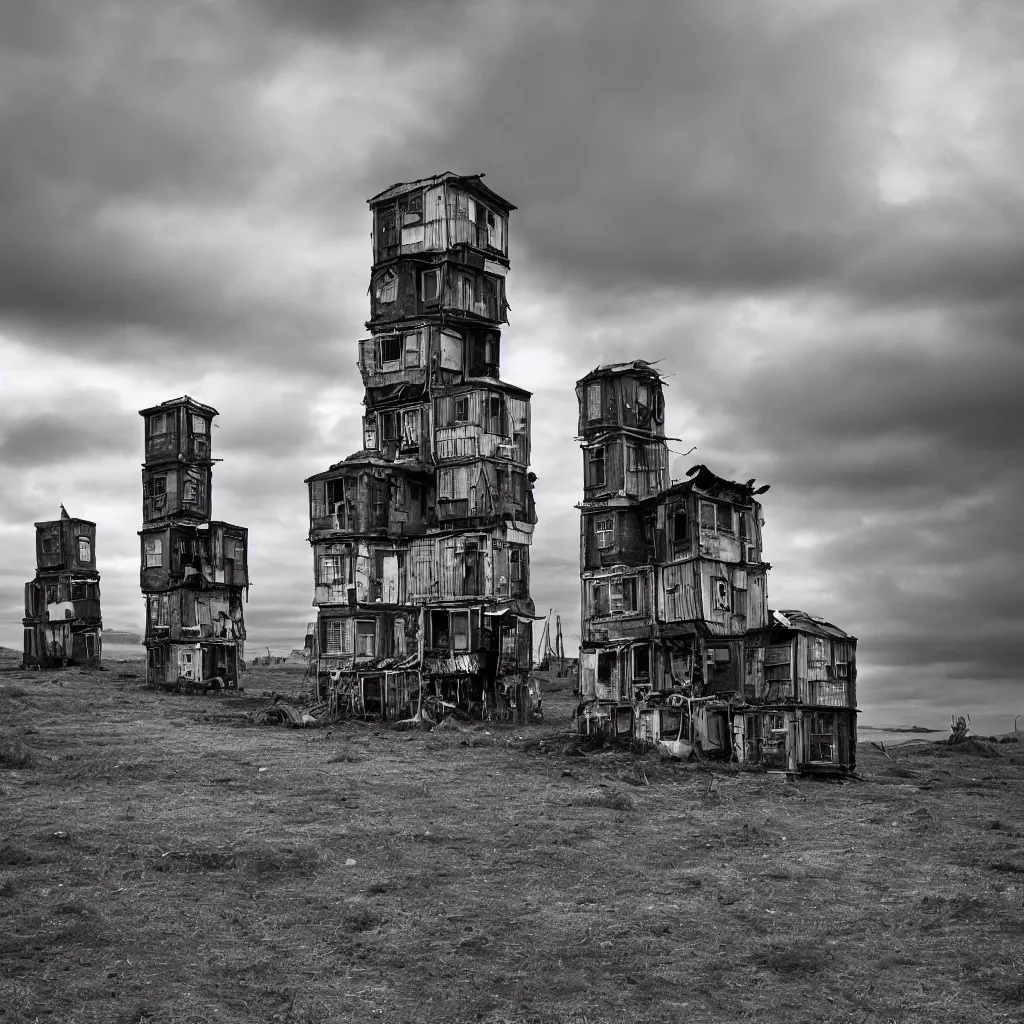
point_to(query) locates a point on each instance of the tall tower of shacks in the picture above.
(194, 570)
(678, 644)
(63, 624)
(421, 540)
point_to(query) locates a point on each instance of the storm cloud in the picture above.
(809, 212)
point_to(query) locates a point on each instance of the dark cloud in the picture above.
(87, 424)
(168, 168)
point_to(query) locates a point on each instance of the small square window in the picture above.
(199, 425)
(390, 352)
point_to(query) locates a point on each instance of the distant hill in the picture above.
(120, 636)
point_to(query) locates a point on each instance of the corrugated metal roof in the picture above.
(804, 622)
(635, 366)
(468, 180)
(184, 400)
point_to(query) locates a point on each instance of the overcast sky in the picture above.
(808, 210)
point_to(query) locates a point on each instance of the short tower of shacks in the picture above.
(194, 570)
(63, 624)
(421, 540)
(678, 644)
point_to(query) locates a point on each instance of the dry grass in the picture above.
(151, 872)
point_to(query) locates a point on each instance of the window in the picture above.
(154, 552)
(823, 742)
(411, 426)
(742, 532)
(84, 549)
(332, 636)
(49, 544)
(369, 433)
(366, 635)
(842, 670)
(155, 486)
(333, 570)
(707, 515)
(720, 593)
(412, 224)
(643, 403)
(431, 283)
(160, 609)
(641, 663)
(680, 528)
(515, 563)
(604, 530)
(390, 352)
(389, 426)
(495, 415)
(595, 467)
(599, 596)
(623, 595)
(606, 668)
(593, 402)
(199, 425)
(461, 410)
(412, 350)
(739, 601)
(467, 297)
(439, 633)
(159, 423)
(386, 288)
(724, 518)
(460, 631)
(189, 491)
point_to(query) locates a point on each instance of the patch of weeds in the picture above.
(612, 800)
(12, 856)
(13, 690)
(344, 757)
(795, 960)
(198, 860)
(287, 860)
(360, 919)
(14, 754)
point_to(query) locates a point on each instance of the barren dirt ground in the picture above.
(165, 860)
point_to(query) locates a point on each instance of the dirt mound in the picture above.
(973, 745)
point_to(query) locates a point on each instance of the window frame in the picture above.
(597, 456)
(153, 548)
(600, 532)
(395, 363)
(433, 275)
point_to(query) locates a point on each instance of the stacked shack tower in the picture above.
(194, 570)
(421, 540)
(63, 625)
(678, 643)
